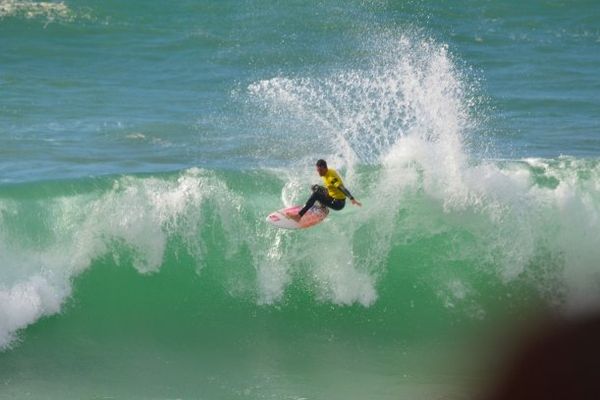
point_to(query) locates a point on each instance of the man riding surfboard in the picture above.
(333, 195)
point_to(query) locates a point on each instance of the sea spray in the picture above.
(409, 89)
(417, 116)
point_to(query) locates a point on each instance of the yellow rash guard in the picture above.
(336, 193)
(333, 182)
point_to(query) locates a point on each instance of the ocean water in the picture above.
(142, 144)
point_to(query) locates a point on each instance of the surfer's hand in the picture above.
(356, 202)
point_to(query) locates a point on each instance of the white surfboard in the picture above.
(281, 218)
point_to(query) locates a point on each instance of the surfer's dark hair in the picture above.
(322, 163)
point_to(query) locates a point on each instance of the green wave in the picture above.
(177, 275)
(521, 223)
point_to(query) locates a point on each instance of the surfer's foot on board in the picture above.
(295, 216)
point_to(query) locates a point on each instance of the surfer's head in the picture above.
(321, 167)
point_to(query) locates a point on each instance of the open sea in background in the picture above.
(143, 143)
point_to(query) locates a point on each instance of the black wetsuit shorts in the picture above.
(320, 195)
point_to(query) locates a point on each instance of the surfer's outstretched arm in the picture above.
(349, 195)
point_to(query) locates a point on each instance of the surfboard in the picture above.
(281, 218)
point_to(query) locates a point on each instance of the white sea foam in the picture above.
(44, 11)
(34, 9)
(27, 301)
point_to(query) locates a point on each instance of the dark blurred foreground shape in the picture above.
(559, 359)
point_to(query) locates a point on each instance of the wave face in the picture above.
(457, 230)
(187, 260)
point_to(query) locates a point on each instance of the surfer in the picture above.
(333, 195)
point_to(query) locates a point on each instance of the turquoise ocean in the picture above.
(143, 143)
